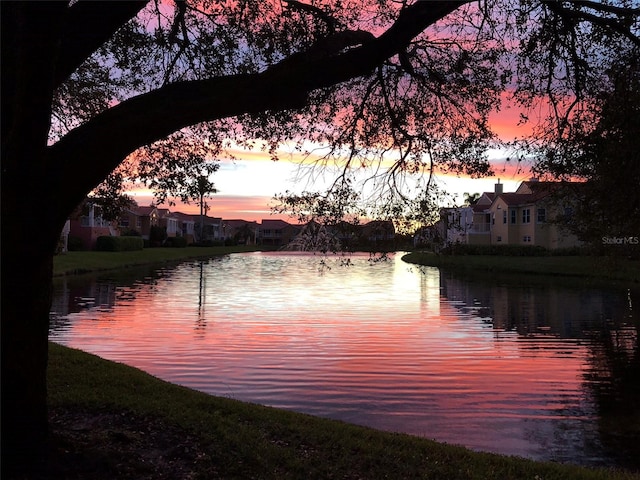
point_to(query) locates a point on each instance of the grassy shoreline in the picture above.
(133, 425)
(114, 421)
(73, 263)
(612, 270)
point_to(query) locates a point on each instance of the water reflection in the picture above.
(548, 372)
(554, 322)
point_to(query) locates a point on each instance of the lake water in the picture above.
(545, 371)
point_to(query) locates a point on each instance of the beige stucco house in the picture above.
(535, 214)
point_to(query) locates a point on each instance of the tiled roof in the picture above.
(517, 198)
(185, 217)
(142, 211)
(480, 208)
(236, 223)
(274, 224)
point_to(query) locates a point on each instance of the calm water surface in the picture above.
(547, 372)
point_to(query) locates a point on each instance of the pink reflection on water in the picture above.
(378, 345)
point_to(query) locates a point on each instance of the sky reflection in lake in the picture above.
(511, 369)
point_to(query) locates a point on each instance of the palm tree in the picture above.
(198, 190)
(471, 198)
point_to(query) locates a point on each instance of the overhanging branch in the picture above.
(616, 25)
(98, 146)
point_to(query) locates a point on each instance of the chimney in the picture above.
(498, 188)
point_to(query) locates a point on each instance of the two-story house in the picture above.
(170, 222)
(243, 232)
(185, 225)
(276, 232)
(455, 224)
(535, 214)
(480, 231)
(138, 219)
(86, 224)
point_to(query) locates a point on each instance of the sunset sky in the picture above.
(246, 186)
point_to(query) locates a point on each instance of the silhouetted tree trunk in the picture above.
(30, 220)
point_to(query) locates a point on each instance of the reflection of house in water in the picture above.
(529, 309)
(73, 298)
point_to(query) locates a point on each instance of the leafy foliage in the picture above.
(422, 110)
(601, 148)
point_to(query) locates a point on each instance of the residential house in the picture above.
(88, 224)
(314, 236)
(207, 229)
(378, 231)
(276, 232)
(532, 215)
(480, 231)
(170, 222)
(242, 232)
(139, 219)
(185, 225)
(455, 224)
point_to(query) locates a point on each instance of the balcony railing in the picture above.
(97, 222)
(480, 228)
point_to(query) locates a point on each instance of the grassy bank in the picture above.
(594, 269)
(84, 262)
(113, 421)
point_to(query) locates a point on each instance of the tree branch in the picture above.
(88, 25)
(606, 8)
(331, 22)
(615, 25)
(98, 146)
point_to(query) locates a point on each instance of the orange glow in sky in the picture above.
(246, 186)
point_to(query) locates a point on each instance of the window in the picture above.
(568, 212)
(542, 215)
(514, 216)
(526, 239)
(526, 215)
(124, 222)
(504, 216)
(499, 239)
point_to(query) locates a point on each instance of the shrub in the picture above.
(119, 244)
(74, 244)
(157, 235)
(129, 232)
(507, 250)
(176, 242)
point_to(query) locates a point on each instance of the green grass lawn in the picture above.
(84, 262)
(214, 437)
(606, 269)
